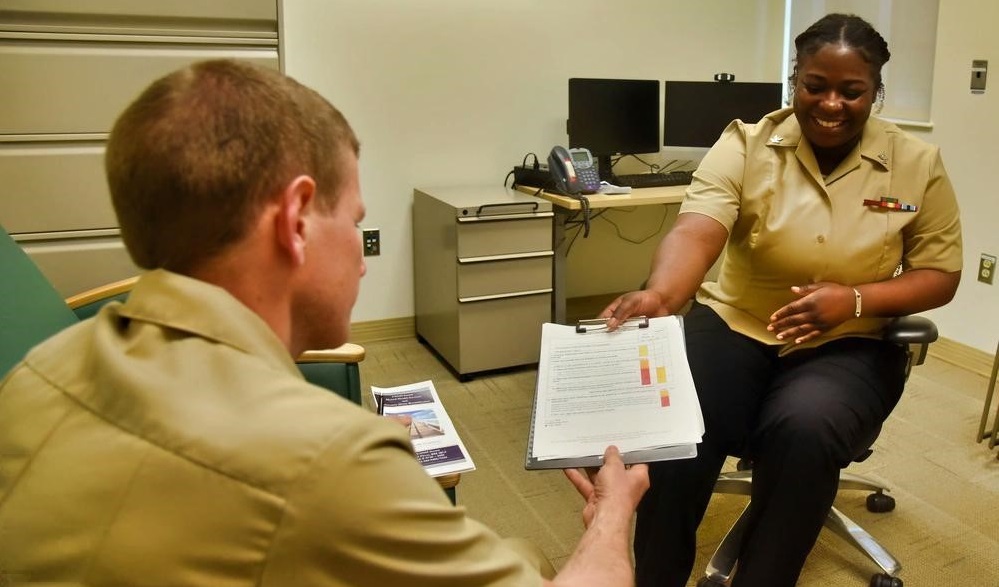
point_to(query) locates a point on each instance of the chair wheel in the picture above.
(880, 503)
(709, 582)
(885, 581)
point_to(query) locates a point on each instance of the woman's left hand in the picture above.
(819, 307)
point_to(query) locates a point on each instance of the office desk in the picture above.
(567, 207)
(637, 197)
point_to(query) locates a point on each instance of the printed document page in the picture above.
(434, 438)
(631, 388)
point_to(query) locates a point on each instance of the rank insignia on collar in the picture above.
(776, 139)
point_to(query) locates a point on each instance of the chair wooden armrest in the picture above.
(449, 481)
(345, 353)
(101, 293)
(335, 369)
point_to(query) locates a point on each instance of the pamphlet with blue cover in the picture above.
(435, 439)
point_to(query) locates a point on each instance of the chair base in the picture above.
(722, 565)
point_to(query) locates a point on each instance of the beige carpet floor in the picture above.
(945, 529)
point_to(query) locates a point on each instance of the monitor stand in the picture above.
(604, 167)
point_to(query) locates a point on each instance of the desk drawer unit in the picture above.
(483, 275)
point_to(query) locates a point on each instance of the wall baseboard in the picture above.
(405, 327)
(377, 330)
(962, 355)
(945, 349)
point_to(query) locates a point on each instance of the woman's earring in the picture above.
(879, 100)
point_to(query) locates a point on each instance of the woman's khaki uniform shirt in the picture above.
(172, 441)
(789, 225)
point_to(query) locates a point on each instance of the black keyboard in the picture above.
(654, 180)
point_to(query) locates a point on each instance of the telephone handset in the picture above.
(574, 171)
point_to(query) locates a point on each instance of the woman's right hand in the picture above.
(645, 302)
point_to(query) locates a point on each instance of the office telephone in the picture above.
(574, 171)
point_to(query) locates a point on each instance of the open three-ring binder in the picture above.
(631, 388)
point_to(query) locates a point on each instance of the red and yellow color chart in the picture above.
(645, 370)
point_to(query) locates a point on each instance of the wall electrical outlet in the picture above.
(372, 242)
(979, 72)
(986, 268)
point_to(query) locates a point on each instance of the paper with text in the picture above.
(631, 388)
(435, 440)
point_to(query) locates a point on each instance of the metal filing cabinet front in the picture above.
(483, 275)
(68, 68)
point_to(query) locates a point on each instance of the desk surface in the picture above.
(638, 197)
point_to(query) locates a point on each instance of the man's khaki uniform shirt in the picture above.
(789, 225)
(172, 441)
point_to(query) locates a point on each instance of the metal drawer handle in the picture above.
(516, 294)
(482, 209)
(509, 257)
(498, 217)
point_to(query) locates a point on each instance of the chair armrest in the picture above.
(911, 330)
(448, 481)
(85, 304)
(335, 369)
(346, 353)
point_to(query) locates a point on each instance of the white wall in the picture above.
(455, 92)
(965, 127)
(452, 92)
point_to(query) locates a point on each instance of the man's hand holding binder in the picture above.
(612, 493)
(619, 484)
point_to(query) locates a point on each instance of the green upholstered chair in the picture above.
(31, 310)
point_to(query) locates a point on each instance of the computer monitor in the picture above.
(613, 117)
(696, 113)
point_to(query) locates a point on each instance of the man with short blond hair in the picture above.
(172, 441)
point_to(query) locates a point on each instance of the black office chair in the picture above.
(915, 333)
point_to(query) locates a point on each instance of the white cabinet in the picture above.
(69, 67)
(483, 275)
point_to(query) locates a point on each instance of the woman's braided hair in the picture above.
(849, 30)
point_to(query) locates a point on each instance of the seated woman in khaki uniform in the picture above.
(815, 207)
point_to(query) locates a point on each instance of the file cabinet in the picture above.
(69, 67)
(483, 275)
